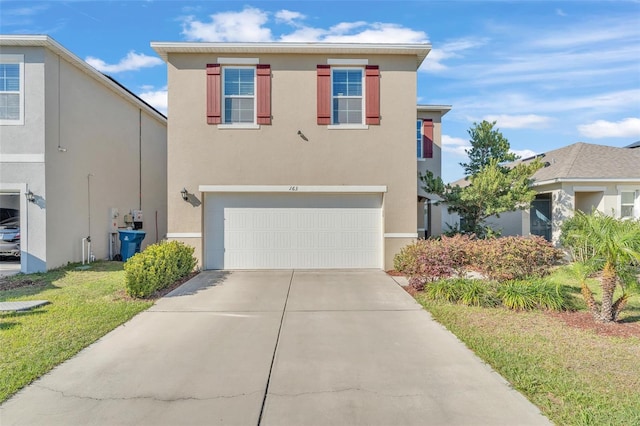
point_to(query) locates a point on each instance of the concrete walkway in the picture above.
(276, 348)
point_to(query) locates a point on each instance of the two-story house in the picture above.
(293, 155)
(77, 152)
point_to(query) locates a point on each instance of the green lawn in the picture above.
(576, 377)
(85, 305)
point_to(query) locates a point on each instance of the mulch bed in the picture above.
(584, 321)
(576, 319)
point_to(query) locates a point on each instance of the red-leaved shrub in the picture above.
(500, 259)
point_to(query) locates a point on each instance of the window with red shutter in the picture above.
(324, 94)
(231, 95)
(427, 138)
(373, 94)
(340, 95)
(263, 76)
(214, 110)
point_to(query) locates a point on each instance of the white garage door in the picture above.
(281, 231)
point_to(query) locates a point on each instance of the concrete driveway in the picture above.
(276, 348)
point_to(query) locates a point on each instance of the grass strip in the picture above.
(85, 305)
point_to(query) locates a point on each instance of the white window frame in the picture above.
(636, 201)
(15, 59)
(245, 125)
(419, 140)
(363, 97)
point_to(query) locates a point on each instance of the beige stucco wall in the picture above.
(99, 167)
(202, 154)
(99, 133)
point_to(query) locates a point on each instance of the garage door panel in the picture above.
(278, 231)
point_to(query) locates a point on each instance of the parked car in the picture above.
(10, 237)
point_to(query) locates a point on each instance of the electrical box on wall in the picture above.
(137, 219)
(113, 219)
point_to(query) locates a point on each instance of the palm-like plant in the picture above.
(601, 242)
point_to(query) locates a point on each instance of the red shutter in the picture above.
(324, 94)
(373, 94)
(427, 139)
(214, 110)
(263, 91)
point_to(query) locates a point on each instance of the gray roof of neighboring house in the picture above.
(584, 161)
(588, 161)
(634, 145)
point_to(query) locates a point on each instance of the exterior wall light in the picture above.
(185, 194)
(30, 197)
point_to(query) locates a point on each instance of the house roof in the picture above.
(420, 50)
(583, 162)
(634, 145)
(442, 109)
(588, 162)
(57, 48)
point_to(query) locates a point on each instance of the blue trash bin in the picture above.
(130, 243)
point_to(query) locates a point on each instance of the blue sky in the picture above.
(550, 73)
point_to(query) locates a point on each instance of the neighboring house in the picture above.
(74, 145)
(580, 176)
(429, 150)
(293, 155)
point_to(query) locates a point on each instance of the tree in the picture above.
(598, 242)
(493, 188)
(487, 144)
(491, 191)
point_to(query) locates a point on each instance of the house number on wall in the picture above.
(293, 188)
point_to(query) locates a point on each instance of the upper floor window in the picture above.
(11, 89)
(239, 95)
(627, 204)
(424, 138)
(347, 96)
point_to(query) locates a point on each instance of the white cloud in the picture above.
(156, 98)
(132, 62)
(289, 17)
(560, 12)
(250, 25)
(244, 26)
(451, 49)
(455, 146)
(523, 153)
(626, 128)
(378, 32)
(529, 121)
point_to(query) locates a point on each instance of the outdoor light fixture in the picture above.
(185, 194)
(30, 197)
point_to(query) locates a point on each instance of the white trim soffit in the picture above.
(401, 235)
(184, 235)
(357, 189)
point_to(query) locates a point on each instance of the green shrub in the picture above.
(528, 295)
(447, 290)
(470, 292)
(158, 266)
